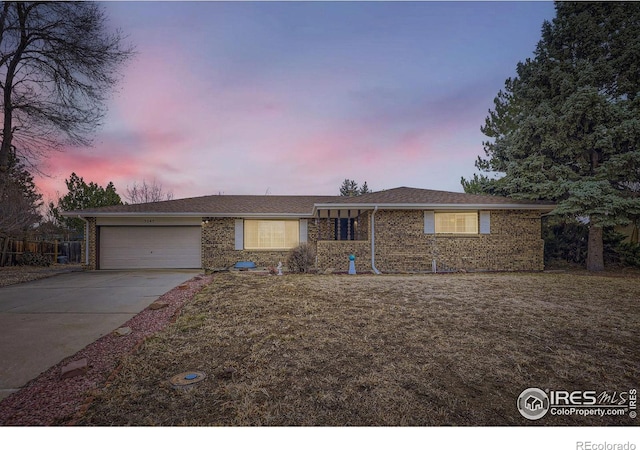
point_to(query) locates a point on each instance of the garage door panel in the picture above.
(150, 247)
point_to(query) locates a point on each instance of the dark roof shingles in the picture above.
(223, 204)
(431, 197)
(302, 204)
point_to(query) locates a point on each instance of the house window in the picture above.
(271, 234)
(456, 223)
(345, 229)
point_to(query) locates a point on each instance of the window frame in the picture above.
(438, 223)
(288, 237)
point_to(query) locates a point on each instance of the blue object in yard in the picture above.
(245, 265)
(352, 264)
(63, 260)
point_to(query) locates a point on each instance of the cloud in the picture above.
(293, 98)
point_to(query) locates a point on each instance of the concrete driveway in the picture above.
(44, 321)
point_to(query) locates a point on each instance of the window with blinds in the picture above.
(456, 223)
(271, 234)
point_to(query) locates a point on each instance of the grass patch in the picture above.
(419, 350)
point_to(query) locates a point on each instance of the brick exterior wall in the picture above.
(335, 255)
(218, 246)
(515, 244)
(92, 264)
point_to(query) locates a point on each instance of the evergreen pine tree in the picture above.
(81, 196)
(349, 188)
(567, 128)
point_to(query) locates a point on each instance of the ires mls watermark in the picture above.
(534, 403)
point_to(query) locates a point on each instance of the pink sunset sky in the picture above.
(294, 97)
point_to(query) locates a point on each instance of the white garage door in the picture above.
(150, 248)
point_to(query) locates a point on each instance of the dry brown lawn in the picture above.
(21, 274)
(419, 350)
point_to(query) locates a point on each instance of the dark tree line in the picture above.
(350, 188)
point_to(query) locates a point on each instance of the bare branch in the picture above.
(58, 63)
(147, 193)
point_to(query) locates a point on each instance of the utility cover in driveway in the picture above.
(150, 247)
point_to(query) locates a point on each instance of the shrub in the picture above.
(34, 259)
(629, 254)
(565, 241)
(301, 259)
(569, 242)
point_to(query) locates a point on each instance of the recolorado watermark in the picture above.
(534, 404)
(588, 445)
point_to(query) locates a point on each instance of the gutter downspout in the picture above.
(86, 239)
(373, 241)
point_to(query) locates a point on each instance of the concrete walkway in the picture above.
(44, 321)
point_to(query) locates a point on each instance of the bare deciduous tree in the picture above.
(19, 203)
(147, 193)
(58, 62)
(16, 213)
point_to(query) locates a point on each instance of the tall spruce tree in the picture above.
(350, 188)
(567, 128)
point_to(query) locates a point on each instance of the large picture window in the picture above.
(456, 223)
(271, 234)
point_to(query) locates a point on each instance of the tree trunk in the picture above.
(595, 249)
(5, 247)
(7, 93)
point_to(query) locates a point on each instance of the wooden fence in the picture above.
(11, 250)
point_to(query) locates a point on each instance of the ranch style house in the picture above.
(395, 230)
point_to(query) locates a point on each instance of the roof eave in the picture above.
(185, 214)
(433, 206)
(316, 207)
(125, 214)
